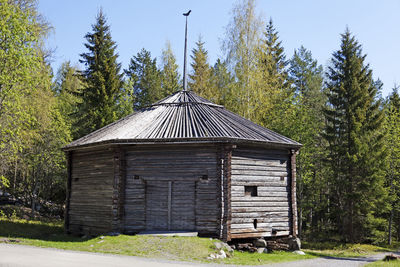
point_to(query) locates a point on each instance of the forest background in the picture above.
(348, 168)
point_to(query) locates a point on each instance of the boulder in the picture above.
(294, 243)
(260, 243)
(299, 252)
(262, 250)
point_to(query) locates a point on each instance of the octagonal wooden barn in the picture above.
(183, 164)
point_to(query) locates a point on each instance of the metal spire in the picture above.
(184, 60)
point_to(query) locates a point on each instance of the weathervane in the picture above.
(184, 59)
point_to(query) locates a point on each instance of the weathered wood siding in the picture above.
(165, 189)
(90, 203)
(269, 170)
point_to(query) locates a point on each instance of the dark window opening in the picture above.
(250, 191)
(255, 223)
(274, 231)
(136, 177)
(204, 178)
(76, 179)
(282, 178)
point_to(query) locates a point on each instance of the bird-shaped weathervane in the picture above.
(184, 60)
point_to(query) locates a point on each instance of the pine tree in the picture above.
(200, 78)
(274, 97)
(171, 80)
(307, 80)
(101, 77)
(392, 142)
(353, 131)
(222, 84)
(146, 79)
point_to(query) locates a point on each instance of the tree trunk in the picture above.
(390, 227)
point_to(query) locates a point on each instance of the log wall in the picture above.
(171, 187)
(268, 213)
(90, 197)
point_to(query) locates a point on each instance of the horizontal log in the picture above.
(260, 219)
(260, 214)
(282, 208)
(259, 234)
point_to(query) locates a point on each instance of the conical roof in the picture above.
(183, 117)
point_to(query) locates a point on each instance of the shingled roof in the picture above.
(183, 117)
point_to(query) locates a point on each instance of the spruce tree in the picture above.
(274, 98)
(171, 80)
(145, 78)
(392, 129)
(222, 84)
(307, 80)
(200, 78)
(354, 135)
(101, 77)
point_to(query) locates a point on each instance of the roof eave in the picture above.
(210, 140)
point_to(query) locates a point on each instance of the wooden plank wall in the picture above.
(269, 170)
(145, 164)
(90, 204)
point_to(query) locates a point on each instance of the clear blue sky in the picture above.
(317, 25)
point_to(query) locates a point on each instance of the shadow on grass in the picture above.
(36, 230)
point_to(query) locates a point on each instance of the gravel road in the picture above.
(23, 256)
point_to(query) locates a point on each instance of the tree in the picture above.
(145, 78)
(392, 142)
(201, 74)
(307, 80)
(69, 89)
(171, 80)
(222, 84)
(22, 31)
(242, 39)
(355, 142)
(274, 96)
(101, 77)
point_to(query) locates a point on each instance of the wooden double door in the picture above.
(170, 205)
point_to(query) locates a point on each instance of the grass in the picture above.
(51, 234)
(330, 249)
(384, 264)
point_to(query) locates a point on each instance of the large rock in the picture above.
(260, 243)
(294, 243)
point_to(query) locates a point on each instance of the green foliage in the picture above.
(171, 79)
(200, 81)
(68, 89)
(32, 130)
(240, 45)
(355, 139)
(274, 103)
(102, 79)
(307, 81)
(222, 84)
(146, 80)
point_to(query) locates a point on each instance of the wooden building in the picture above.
(184, 164)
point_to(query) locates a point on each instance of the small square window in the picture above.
(250, 191)
(204, 178)
(136, 177)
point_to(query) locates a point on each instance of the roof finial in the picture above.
(184, 60)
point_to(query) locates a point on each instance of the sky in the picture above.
(315, 24)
